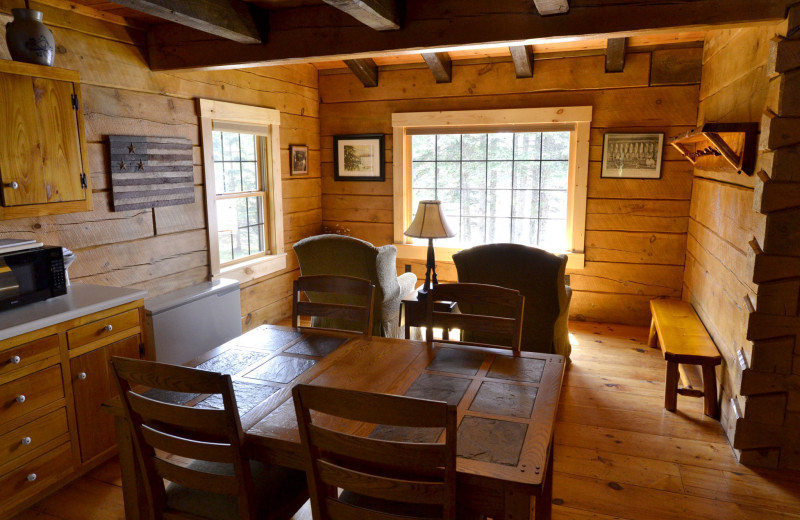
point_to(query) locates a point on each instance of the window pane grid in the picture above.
(515, 190)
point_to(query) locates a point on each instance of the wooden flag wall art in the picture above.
(150, 172)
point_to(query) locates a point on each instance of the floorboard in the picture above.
(618, 455)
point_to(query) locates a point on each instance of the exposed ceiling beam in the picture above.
(615, 54)
(311, 33)
(523, 60)
(230, 19)
(441, 66)
(365, 70)
(380, 15)
(548, 7)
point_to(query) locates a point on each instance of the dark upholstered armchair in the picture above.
(343, 255)
(535, 273)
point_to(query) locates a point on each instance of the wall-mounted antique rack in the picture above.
(720, 146)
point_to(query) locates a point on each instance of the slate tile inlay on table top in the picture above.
(232, 361)
(266, 338)
(490, 440)
(167, 396)
(517, 369)
(281, 369)
(504, 399)
(439, 388)
(456, 361)
(316, 346)
(248, 395)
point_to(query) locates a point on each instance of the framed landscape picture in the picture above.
(358, 157)
(298, 155)
(632, 156)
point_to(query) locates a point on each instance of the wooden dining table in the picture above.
(506, 407)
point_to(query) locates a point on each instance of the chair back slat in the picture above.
(187, 448)
(208, 482)
(328, 292)
(503, 310)
(341, 511)
(424, 476)
(376, 486)
(210, 422)
(164, 432)
(415, 456)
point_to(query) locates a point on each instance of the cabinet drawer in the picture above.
(100, 329)
(28, 393)
(36, 475)
(28, 353)
(33, 435)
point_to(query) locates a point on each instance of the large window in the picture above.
(495, 187)
(243, 191)
(502, 176)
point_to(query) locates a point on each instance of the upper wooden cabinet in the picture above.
(42, 145)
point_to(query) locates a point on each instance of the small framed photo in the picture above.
(632, 156)
(298, 157)
(358, 157)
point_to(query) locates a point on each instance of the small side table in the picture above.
(412, 313)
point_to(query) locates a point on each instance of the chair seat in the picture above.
(392, 508)
(271, 485)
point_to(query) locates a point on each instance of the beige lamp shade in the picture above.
(429, 222)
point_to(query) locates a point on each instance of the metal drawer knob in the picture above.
(26, 441)
(108, 328)
(20, 398)
(15, 360)
(82, 376)
(13, 185)
(31, 477)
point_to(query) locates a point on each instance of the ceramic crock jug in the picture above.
(28, 39)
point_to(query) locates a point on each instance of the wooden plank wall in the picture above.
(167, 248)
(635, 229)
(718, 278)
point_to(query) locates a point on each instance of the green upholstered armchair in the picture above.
(343, 255)
(535, 273)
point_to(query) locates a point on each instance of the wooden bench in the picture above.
(685, 343)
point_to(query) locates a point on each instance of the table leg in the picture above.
(132, 484)
(671, 387)
(518, 505)
(544, 502)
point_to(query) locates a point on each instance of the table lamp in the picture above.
(429, 223)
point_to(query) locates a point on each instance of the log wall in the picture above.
(635, 229)
(167, 248)
(743, 263)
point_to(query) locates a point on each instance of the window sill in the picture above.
(445, 254)
(252, 269)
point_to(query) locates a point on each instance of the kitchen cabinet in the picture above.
(43, 154)
(53, 381)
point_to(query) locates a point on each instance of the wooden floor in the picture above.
(618, 454)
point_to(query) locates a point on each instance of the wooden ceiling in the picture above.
(364, 34)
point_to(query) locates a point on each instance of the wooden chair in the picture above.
(327, 293)
(485, 308)
(219, 483)
(378, 477)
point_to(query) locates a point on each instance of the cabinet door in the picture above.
(92, 385)
(40, 156)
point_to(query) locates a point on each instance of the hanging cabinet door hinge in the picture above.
(74, 102)
(84, 185)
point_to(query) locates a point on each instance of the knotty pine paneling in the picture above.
(636, 229)
(167, 248)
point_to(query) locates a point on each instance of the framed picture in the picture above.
(298, 157)
(632, 156)
(358, 157)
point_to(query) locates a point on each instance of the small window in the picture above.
(243, 189)
(239, 175)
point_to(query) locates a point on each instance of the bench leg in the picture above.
(652, 338)
(711, 407)
(671, 390)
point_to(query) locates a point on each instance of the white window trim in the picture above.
(269, 121)
(576, 119)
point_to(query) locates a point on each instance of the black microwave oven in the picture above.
(31, 275)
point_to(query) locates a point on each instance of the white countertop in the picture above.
(80, 300)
